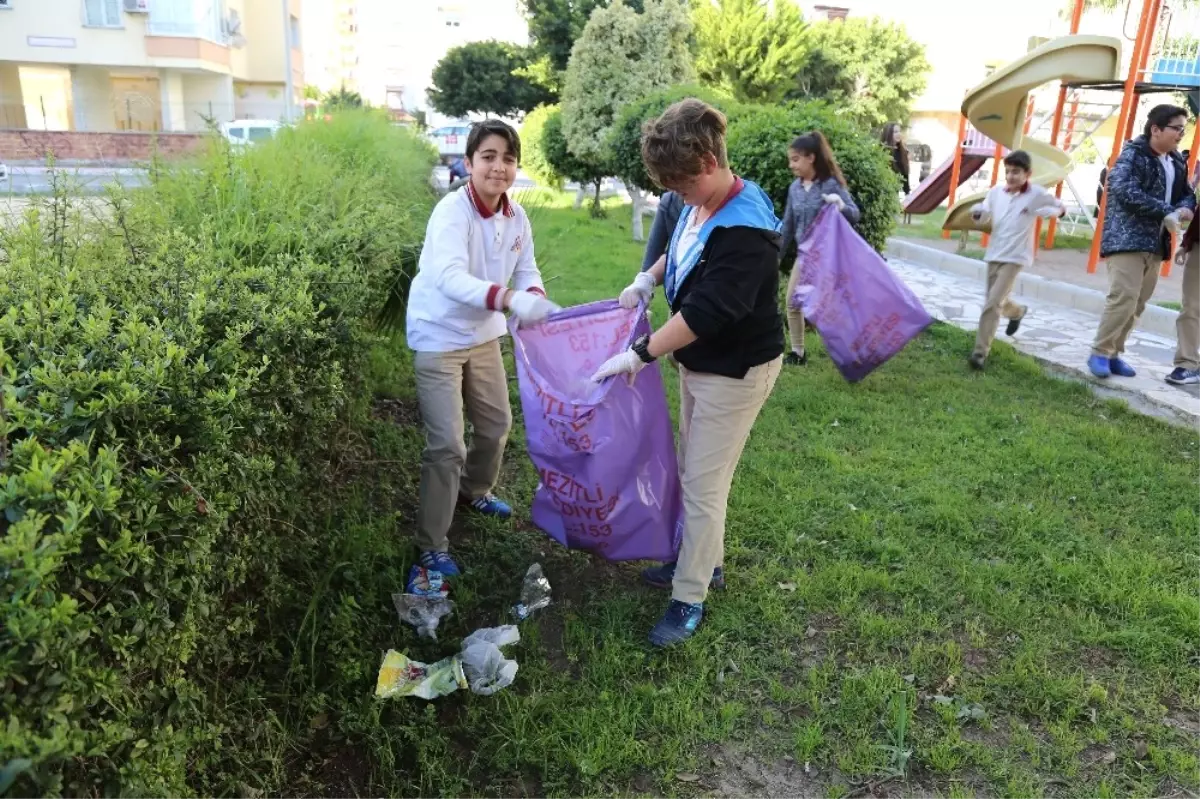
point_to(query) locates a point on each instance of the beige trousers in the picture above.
(795, 317)
(1132, 277)
(446, 382)
(1000, 280)
(1187, 326)
(715, 417)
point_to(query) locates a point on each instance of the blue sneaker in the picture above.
(678, 624)
(1099, 365)
(489, 505)
(439, 562)
(662, 576)
(1120, 368)
(1184, 377)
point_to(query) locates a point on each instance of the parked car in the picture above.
(451, 140)
(249, 131)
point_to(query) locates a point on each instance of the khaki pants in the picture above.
(715, 417)
(1000, 280)
(1132, 277)
(446, 381)
(795, 317)
(1187, 326)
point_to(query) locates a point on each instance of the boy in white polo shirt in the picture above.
(478, 243)
(1012, 208)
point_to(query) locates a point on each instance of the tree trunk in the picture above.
(579, 195)
(639, 207)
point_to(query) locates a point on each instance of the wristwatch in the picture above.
(642, 348)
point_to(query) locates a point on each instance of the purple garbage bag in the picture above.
(864, 313)
(604, 452)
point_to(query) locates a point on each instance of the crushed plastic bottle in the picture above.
(500, 636)
(423, 612)
(535, 593)
(486, 668)
(400, 676)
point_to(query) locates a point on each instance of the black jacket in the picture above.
(730, 300)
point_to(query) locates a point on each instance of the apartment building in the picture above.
(331, 44)
(145, 65)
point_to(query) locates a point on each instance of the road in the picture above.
(20, 180)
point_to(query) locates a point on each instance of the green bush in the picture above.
(533, 153)
(173, 372)
(553, 144)
(758, 139)
(625, 141)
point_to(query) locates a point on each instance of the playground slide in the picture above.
(997, 106)
(935, 188)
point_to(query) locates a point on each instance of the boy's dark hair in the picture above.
(825, 165)
(1161, 115)
(490, 127)
(1020, 159)
(674, 145)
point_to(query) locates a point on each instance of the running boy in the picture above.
(1012, 209)
(478, 241)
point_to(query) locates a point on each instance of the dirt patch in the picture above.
(739, 774)
(402, 412)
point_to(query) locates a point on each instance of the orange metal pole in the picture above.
(996, 160)
(1129, 100)
(1056, 125)
(956, 170)
(1037, 227)
(1058, 190)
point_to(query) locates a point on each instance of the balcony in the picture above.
(198, 19)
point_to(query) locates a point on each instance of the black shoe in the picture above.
(1015, 324)
(792, 359)
(977, 362)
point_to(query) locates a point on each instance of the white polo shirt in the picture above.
(471, 255)
(1013, 216)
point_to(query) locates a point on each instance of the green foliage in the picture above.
(625, 140)
(554, 25)
(533, 156)
(560, 159)
(173, 372)
(485, 78)
(341, 99)
(758, 140)
(621, 57)
(750, 49)
(871, 69)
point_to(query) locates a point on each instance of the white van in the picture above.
(249, 131)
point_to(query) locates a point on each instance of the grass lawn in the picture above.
(940, 582)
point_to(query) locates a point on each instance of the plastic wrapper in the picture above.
(535, 593)
(401, 676)
(601, 488)
(423, 612)
(486, 668)
(426, 582)
(500, 636)
(864, 313)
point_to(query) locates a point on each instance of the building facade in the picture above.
(146, 65)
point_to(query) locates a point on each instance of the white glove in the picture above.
(531, 308)
(639, 291)
(1173, 222)
(833, 199)
(623, 363)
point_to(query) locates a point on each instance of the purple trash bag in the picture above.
(605, 452)
(864, 313)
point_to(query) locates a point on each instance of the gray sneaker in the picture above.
(1184, 377)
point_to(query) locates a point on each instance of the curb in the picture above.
(1155, 319)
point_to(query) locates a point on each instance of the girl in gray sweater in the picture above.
(818, 183)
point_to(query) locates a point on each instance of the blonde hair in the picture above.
(674, 146)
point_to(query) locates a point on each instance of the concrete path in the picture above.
(1059, 329)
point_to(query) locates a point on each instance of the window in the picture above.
(102, 13)
(261, 134)
(5, 4)
(237, 133)
(295, 27)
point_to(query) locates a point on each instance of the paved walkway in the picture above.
(1060, 338)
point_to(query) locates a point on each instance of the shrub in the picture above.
(758, 141)
(625, 141)
(583, 171)
(533, 153)
(172, 375)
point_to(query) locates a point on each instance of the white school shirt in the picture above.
(1168, 166)
(1013, 216)
(471, 255)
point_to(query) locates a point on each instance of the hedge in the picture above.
(172, 373)
(757, 141)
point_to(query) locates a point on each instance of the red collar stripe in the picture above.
(738, 185)
(506, 207)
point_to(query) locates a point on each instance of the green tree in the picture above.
(621, 57)
(560, 159)
(748, 49)
(554, 25)
(481, 78)
(341, 99)
(534, 160)
(870, 68)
